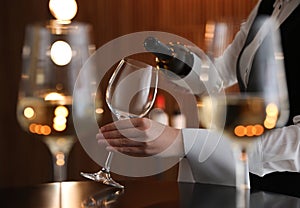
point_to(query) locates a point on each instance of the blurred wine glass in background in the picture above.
(260, 104)
(53, 54)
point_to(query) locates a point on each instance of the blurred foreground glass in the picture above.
(53, 54)
(260, 105)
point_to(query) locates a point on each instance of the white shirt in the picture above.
(209, 155)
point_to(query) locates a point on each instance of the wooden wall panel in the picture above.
(24, 160)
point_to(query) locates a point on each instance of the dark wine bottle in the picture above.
(172, 56)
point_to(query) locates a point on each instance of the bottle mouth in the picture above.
(153, 45)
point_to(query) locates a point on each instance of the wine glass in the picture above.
(130, 93)
(53, 54)
(260, 105)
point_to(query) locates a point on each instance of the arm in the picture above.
(226, 64)
(277, 150)
(209, 156)
(208, 153)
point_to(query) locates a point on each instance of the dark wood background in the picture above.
(24, 160)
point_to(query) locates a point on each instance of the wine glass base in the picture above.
(103, 177)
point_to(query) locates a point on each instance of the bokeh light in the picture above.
(61, 53)
(63, 10)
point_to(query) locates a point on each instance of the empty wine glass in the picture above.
(53, 54)
(130, 93)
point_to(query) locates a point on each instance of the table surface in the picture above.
(146, 194)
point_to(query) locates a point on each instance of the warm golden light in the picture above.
(59, 120)
(61, 53)
(29, 112)
(61, 111)
(60, 156)
(63, 10)
(39, 129)
(59, 127)
(200, 104)
(209, 31)
(45, 130)
(272, 115)
(60, 159)
(249, 131)
(259, 129)
(32, 128)
(240, 131)
(54, 96)
(99, 110)
(269, 124)
(272, 109)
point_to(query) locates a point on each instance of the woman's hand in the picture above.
(141, 137)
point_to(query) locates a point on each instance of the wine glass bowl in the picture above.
(130, 93)
(53, 54)
(242, 117)
(140, 89)
(260, 104)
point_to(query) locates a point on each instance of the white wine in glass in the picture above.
(130, 93)
(53, 54)
(243, 117)
(260, 104)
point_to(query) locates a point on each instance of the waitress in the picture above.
(275, 162)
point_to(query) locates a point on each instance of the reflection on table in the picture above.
(146, 194)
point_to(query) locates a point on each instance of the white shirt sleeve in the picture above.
(277, 150)
(211, 160)
(209, 156)
(226, 64)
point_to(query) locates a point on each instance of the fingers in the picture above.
(141, 123)
(136, 136)
(123, 145)
(118, 142)
(131, 133)
(135, 129)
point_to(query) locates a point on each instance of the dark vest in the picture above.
(281, 182)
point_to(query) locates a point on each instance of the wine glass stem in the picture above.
(59, 161)
(110, 154)
(108, 161)
(243, 198)
(242, 170)
(242, 178)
